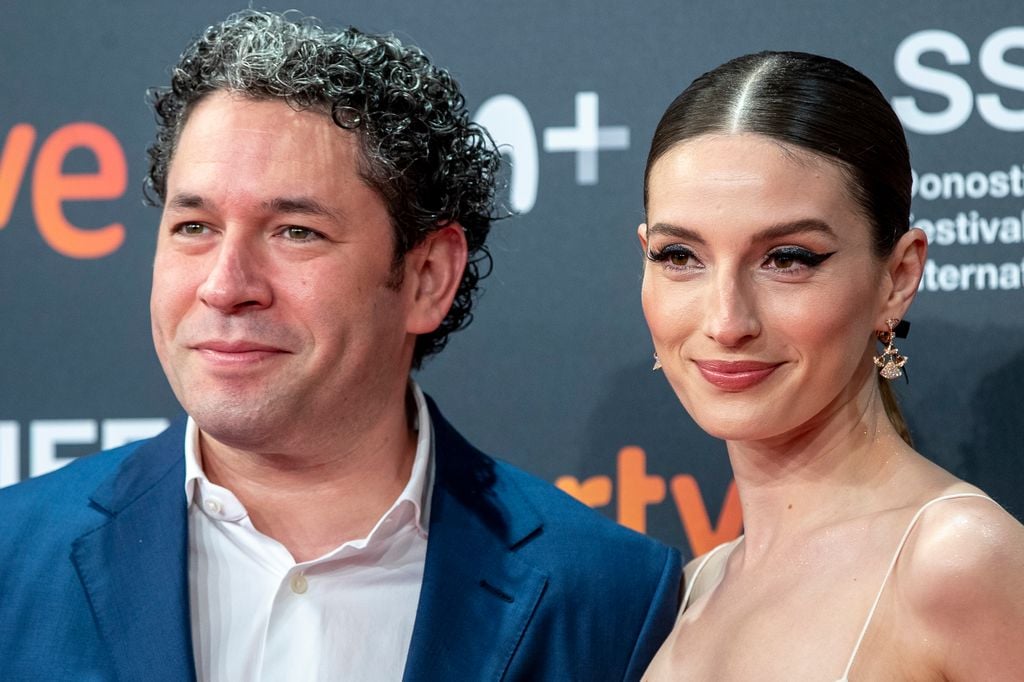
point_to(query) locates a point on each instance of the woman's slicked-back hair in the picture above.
(808, 102)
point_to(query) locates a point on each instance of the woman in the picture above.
(779, 253)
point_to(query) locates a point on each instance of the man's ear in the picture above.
(433, 269)
(904, 268)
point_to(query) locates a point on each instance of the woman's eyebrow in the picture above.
(770, 233)
(793, 227)
(675, 231)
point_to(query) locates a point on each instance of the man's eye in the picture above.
(192, 229)
(300, 234)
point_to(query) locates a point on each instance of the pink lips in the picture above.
(235, 352)
(737, 375)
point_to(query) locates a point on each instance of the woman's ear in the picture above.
(641, 232)
(904, 268)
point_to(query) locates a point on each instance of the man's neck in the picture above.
(314, 500)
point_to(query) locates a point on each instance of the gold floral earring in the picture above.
(890, 361)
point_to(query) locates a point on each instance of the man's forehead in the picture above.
(268, 140)
(238, 109)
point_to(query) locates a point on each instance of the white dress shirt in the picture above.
(258, 615)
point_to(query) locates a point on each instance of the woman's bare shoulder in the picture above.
(963, 537)
(961, 577)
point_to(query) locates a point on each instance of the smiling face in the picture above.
(274, 308)
(760, 287)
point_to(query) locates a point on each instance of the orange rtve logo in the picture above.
(638, 489)
(51, 187)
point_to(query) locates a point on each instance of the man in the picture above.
(325, 205)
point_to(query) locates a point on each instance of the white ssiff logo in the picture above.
(922, 61)
(914, 61)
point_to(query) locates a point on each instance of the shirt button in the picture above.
(299, 584)
(213, 505)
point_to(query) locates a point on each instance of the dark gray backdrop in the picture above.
(554, 373)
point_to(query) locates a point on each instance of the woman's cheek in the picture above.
(669, 312)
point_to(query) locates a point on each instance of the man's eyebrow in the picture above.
(300, 205)
(186, 200)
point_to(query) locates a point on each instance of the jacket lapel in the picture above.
(477, 596)
(134, 567)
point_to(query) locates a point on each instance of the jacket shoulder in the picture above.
(598, 572)
(50, 510)
(564, 510)
(585, 530)
(519, 502)
(67, 487)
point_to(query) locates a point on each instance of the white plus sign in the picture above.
(586, 138)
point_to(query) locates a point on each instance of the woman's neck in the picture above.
(843, 463)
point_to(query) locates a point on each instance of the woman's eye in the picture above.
(679, 259)
(675, 257)
(782, 261)
(794, 258)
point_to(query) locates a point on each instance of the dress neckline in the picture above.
(727, 548)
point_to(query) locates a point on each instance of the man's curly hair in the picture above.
(418, 148)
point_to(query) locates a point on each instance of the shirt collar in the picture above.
(417, 491)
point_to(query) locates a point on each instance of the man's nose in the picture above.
(237, 279)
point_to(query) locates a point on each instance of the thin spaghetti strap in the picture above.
(892, 565)
(696, 574)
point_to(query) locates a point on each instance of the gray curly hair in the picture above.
(419, 150)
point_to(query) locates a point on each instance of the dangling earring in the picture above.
(657, 363)
(890, 361)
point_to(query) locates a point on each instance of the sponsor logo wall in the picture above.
(554, 373)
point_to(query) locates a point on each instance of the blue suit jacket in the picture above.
(520, 583)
